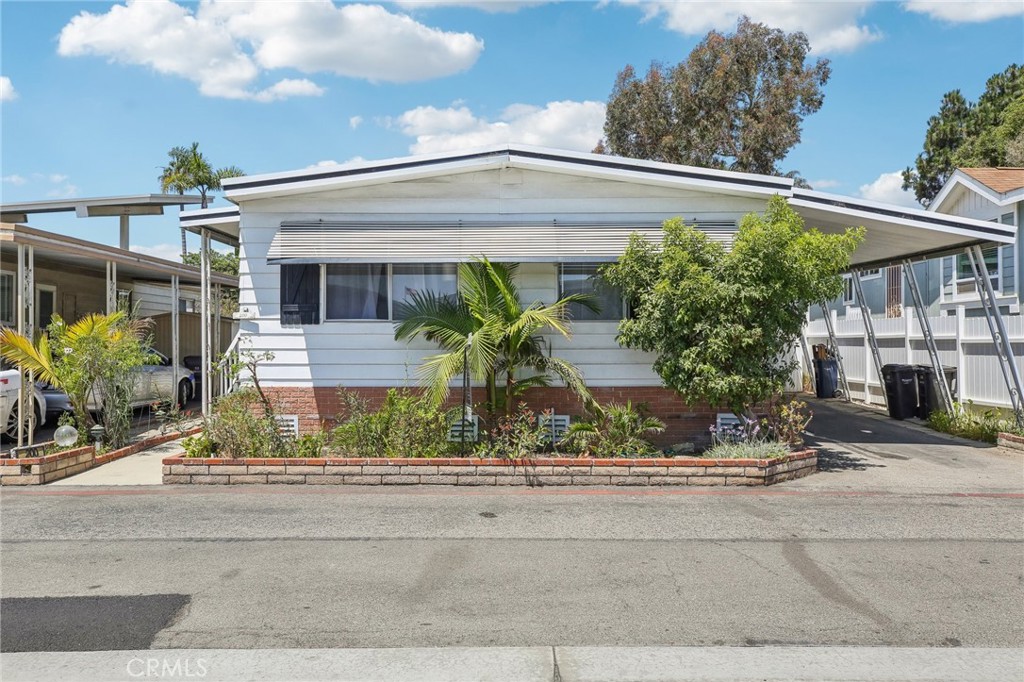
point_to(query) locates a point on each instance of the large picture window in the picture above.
(357, 291)
(582, 278)
(410, 278)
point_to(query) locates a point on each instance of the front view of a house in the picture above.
(327, 254)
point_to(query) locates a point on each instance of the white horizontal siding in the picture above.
(155, 299)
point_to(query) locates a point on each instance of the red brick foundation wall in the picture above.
(318, 407)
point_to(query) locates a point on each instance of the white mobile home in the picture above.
(327, 252)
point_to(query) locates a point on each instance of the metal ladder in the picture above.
(834, 347)
(869, 330)
(998, 330)
(929, 338)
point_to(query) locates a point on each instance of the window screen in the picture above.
(410, 278)
(300, 294)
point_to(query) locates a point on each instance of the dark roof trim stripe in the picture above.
(893, 213)
(232, 213)
(597, 163)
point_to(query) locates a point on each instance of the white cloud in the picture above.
(570, 125)
(888, 188)
(830, 26)
(824, 183)
(7, 91)
(15, 179)
(63, 191)
(966, 12)
(226, 47)
(331, 162)
(492, 6)
(171, 252)
(355, 122)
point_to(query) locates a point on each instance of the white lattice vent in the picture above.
(287, 425)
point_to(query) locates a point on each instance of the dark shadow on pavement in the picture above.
(851, 424)
(830, 460)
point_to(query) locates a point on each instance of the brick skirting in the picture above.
(319, 407)
(539, 471)
(39, 470)
(1009, 440)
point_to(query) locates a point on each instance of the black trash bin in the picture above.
(826, 377)
(900, 390)
(928, 399)
(927, 393)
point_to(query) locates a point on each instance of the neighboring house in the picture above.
(989, 194)
(326, 254)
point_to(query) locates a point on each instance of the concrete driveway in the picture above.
(863, 449)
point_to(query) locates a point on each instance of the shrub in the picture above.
(241, 427)
(199, 445)
(764, 449)
(406, 425)
(787, 421)
(618, 431)
(514, 436)
(967, 422)
(309, 445)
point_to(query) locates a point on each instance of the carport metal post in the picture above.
(204, 296)
(834, 345)
(111, 287)
(929, 337)
(26, 316)
(175, 333)
(869, 330)
(997, 328)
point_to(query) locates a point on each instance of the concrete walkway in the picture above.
(143, 468)
(528, 664)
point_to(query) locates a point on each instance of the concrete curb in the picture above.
(528, 664)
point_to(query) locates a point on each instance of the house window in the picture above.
(870, 274)
(357, 291)
(964, 272)
(849, 296)
(7, 300)
(583, 278)
(300, 294)
(410, 278)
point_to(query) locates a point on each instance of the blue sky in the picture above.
(93, 94)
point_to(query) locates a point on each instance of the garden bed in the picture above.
(537, 471)
(53, 467)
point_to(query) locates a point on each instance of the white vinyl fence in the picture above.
(963, 342)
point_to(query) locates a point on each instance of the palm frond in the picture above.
(28, 357)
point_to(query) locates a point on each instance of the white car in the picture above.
(156, 383)
(10, 387)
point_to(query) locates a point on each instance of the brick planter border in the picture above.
(1009, 440)
(538, 471)
(39, 470)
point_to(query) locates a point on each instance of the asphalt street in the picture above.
(905, 539)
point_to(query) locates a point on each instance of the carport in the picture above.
(23, 250)
(900, 237)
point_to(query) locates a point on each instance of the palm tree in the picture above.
(487, 325)
(189, 170)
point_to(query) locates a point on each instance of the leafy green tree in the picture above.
(722, 322)
(189, 170)
(219, 261)
(737, 102)
(488, 324)
(963, 134)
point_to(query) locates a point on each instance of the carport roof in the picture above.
(895, 233)
(139, 204)
(92, 256)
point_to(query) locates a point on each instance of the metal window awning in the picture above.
(431, 242)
